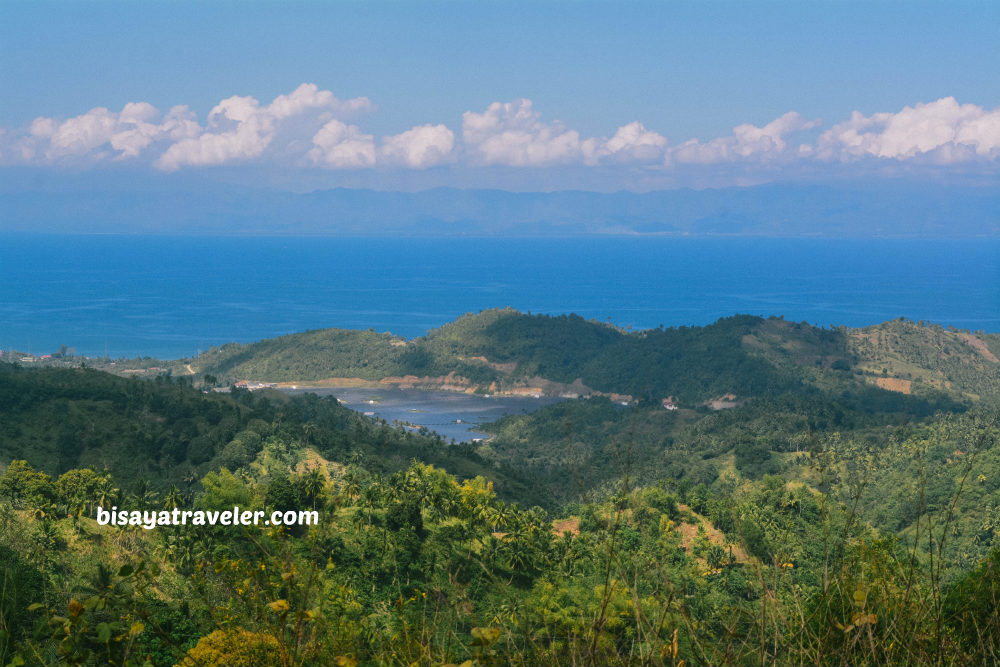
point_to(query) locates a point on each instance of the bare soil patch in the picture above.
(980, 346)
(689, 533)
(571, 524)
(895, 384)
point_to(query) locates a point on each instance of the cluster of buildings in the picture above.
(251, 386)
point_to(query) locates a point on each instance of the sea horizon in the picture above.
(172, 296)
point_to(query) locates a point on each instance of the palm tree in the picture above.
(497, 515)
(107, 494)
(77, 509)
(38, 512)
(144, 494)
(179, 549)
(352, 483)
(516, 549)
(173, 498)
(372, 496)
(315, 481)
(309, 431)
(492, 547)
(190, 478)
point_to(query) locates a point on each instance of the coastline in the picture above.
(535, 387)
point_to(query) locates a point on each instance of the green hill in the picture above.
(915, 357)
(312, 355)
(505, 350)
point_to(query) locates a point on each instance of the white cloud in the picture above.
(419, 147)
(312, 127)
(511, 134)
(747, 142)
(90, 136)
(308, 96)
(135, 131)
(240, 129)
(100, 134)
(237, 129)
(945, 129)
(632, 143)
(42, 127)
(341, 146)
(79, 135)
(20, 147)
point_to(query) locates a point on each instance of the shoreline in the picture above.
(535, 388)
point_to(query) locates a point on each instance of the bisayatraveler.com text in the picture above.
(150, 519)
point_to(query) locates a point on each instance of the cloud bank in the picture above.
(312, 128)
(943, 131)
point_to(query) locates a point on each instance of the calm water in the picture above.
(455, 416)
(171, 297)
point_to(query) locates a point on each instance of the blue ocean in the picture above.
(171, 297)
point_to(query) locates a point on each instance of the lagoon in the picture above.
(455, 416)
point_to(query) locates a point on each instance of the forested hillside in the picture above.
(574, 446)
(916, 356)
(742, 355)
(799, 506)
(166, 432)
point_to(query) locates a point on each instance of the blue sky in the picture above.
(550, 95)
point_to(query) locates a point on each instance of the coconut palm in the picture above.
(173, 498)
(498, 515)
(145, 496)
(314, 484)
(107, 494)
(309, 433)
(351, 484)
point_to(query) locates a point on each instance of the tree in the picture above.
(21, 484)
(173, 498)
(313, 485)
(283, 494)
(223, 490)
(79, 487)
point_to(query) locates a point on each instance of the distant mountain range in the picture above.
(886, 210)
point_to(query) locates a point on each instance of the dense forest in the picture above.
(818, 517)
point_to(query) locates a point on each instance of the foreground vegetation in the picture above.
(419, 568)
